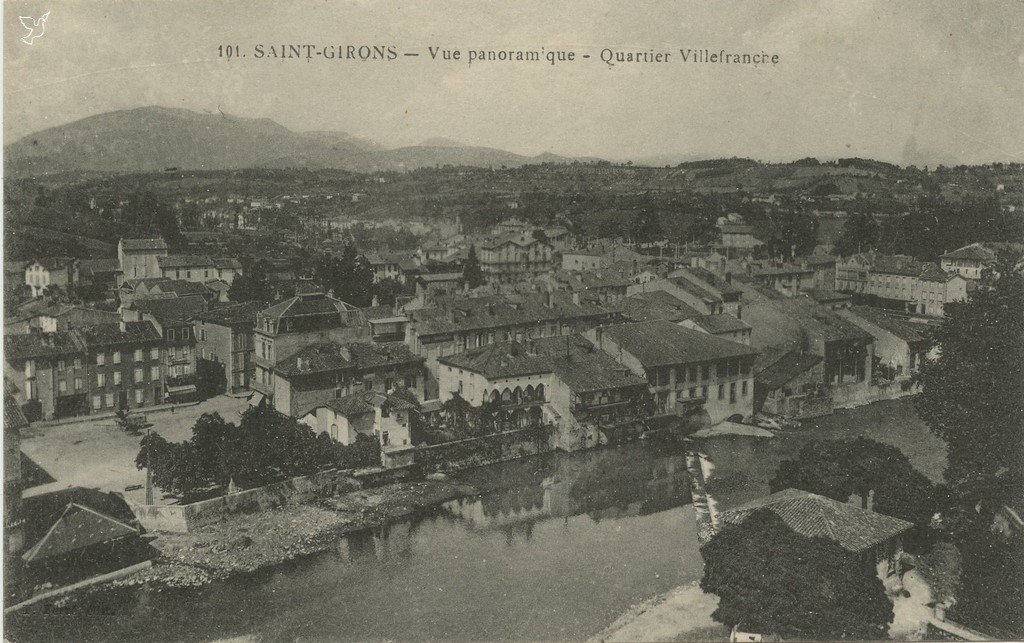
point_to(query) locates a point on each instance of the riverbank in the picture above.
(682, 614)
(248, 543)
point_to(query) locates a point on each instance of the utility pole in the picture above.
(149, 468)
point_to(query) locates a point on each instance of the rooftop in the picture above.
(655, 305)
(460, 314)
(174, 309)
(904, 326)
(332, 356)
(77, 528)
(36, 345)
(313, 303)
(814, 516)
(111, 335)
(662, 343)
(232, 314)
(785, 368)
(721, 323)
(143, 244)
(185, 261)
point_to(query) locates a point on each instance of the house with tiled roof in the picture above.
(290, 325)
(49, 273)
(902, 341)
(875, 537)
(49, 372)
(586, 394)
(971, 261)
(515, 257)
(327, 370)
(173, 320)
(196, 268)
(722, 325)
(455, 324)
(388, 417)
(919, 287)
(738, 237)
(139, 258)
(685, 369)
(789, 383)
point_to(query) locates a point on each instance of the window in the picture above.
(117, 378)
(101, 379)
(410, 381)
(744, 388)
(170, 333)
(721, 391)
(385, 411)
(62, 386)
(692, 393)
(101, 359)
(138, 354)
(154, 373)
(78, 362)
(78, 383)
(732, 392)
(139, 396)
(384, 438)
(154, 353)
(705, 372)
(704, 392)
(108, 400)
(117, 357)
(202, 334)
(97, 402)
(138, 375)
(61, 365)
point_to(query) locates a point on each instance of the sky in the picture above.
(907, 82)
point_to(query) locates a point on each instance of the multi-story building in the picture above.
(738, 237)
(706, 292)
(197, 268)
(224, 335)
(787, 278)
(49, 371)
(902, 344)
(293, 324)
(684, 368)
(44, 275)
(330, 370)
(456, 324)
(564, 381)
(724, 325)
(971, 261)
(515, 257)
(127, 366)
(173, 320)
(917, 286)
(139, 258)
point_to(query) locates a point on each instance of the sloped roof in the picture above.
(523, 240)
(972, 252)
(903, 326)
(227, 263)
(185, 261)
(14, 418)
(737, 228)
(77, 528)
(53, 263)
(332, 356)
(814, 516)
(173, 309)
(36, 345)
(104, 335)
(93, 266)
(655, 305)
(143, 244)
(711, 279)
(313, 303)
(459, 313)
(784, 369)
(181, 287)
(662, 343)
(720, 323)
(499, 360)
(363, 402)
(233, 314)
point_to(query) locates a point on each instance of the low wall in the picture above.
(185, 518)
(475, 452)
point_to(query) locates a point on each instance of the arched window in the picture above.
(540, 392)
(517, 395)
(506, 395)
(528, 393)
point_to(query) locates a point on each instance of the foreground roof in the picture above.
(77, 528)
(852, 528)
(721, 323)
(662, 343)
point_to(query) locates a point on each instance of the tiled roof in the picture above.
(111, 335)
(77, 528)
(653, 306)
(143, 244)
(14, 418)
(440, 277)
(818, 318)
(522, 240)
(973, 252)
(358, 356)
(710, 278)
(185, 261)
(36, 345)
(54, 263)
(173, 309)
(722, 323)
(314, 303)
(784, 369)
(737, 228)
(814, 516)
(901, 265)
(694, 289)
(501, 311)
(180, 287)
(363, 402)
(662, 343)
(903, 326)
(232, 314)
(499, 360)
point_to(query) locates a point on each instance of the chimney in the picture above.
(870, 503)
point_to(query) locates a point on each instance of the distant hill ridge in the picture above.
(147, 139)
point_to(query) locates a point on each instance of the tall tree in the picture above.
(472, 273)
(772, 580)
(972, 393)
(860, 234)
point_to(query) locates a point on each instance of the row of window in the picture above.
(702, 372)
(154, 374)
(106, 401)
(115, 357)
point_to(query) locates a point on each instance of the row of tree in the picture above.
(264, 447)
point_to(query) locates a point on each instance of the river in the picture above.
(555, 547)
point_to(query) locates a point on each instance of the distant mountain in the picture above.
(150, 139)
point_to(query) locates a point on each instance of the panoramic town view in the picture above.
(270, 382)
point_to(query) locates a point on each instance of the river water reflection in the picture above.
(555, 547)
